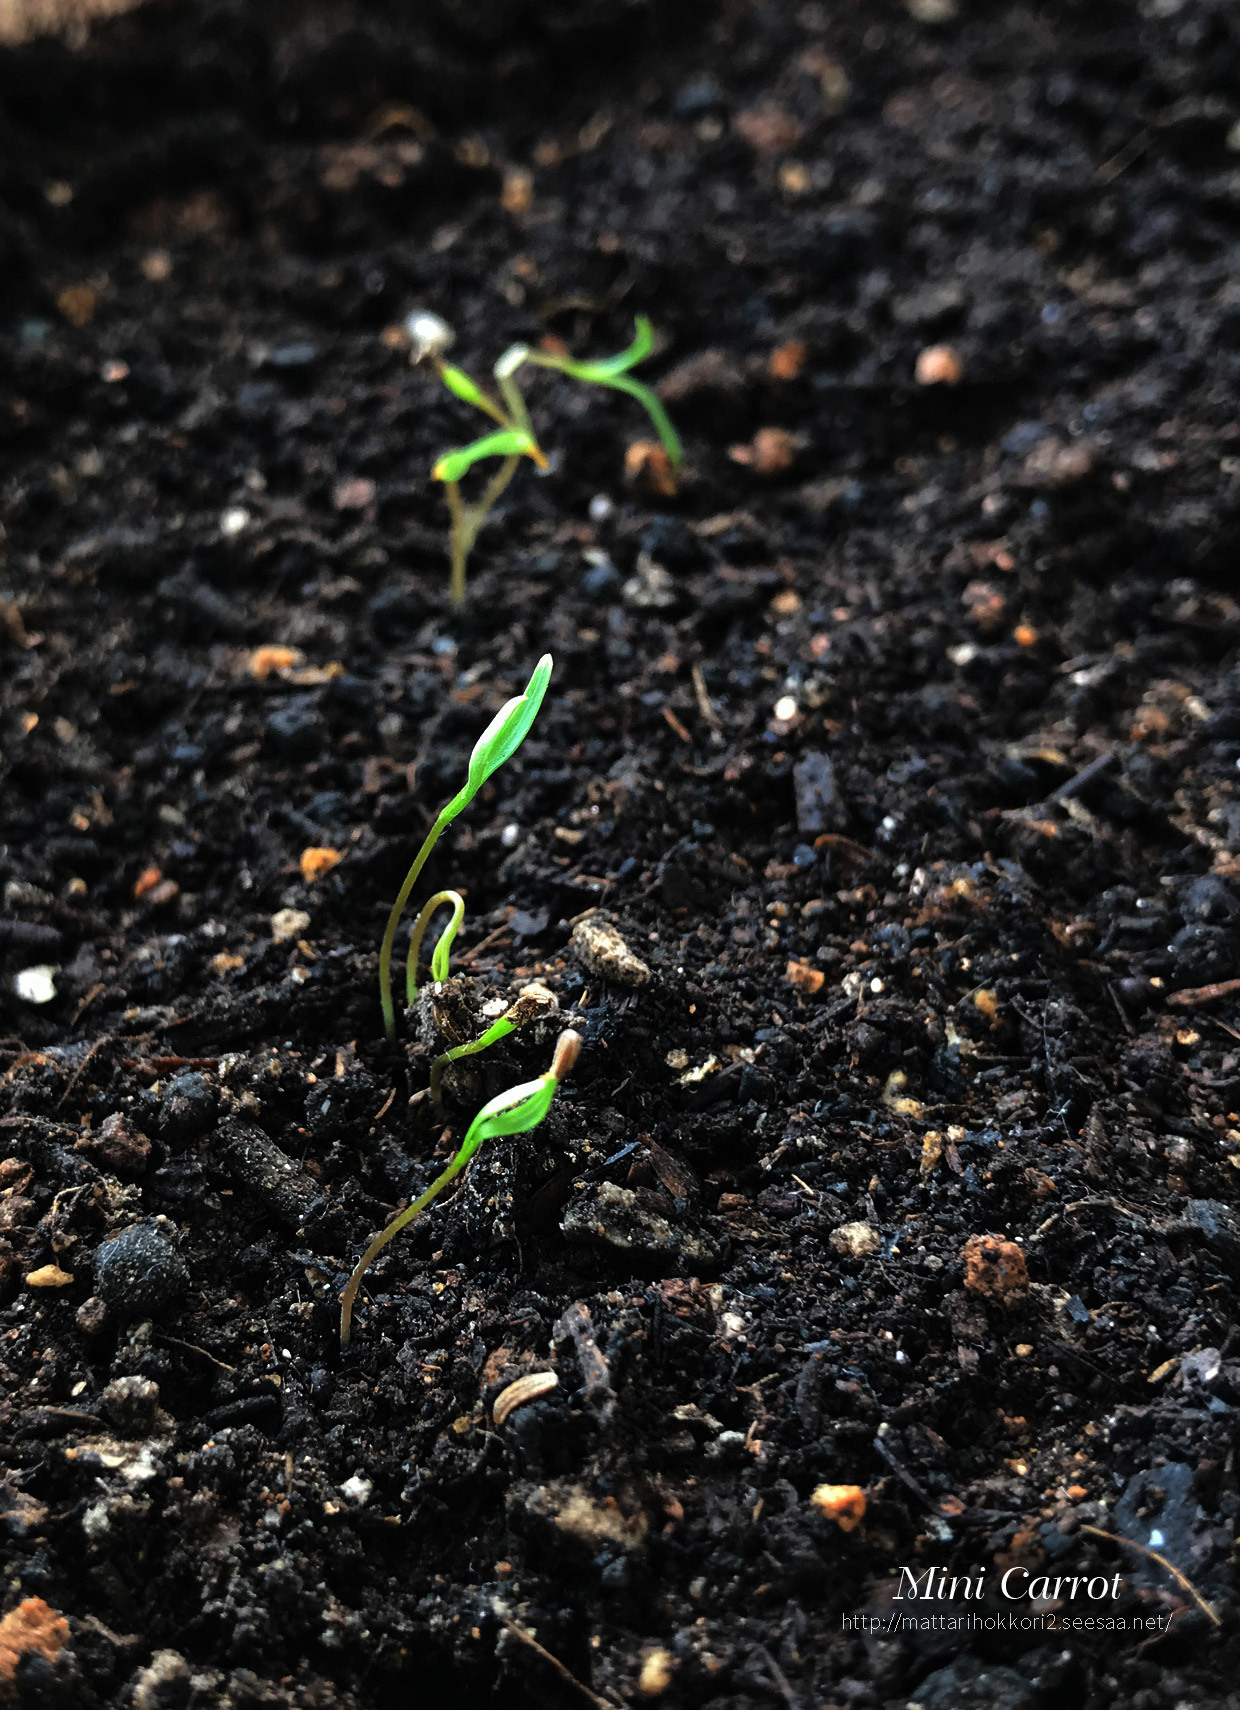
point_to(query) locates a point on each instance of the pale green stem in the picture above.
(467, 521)
(389, 931)
(443, 949)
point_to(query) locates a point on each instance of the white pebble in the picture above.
(36, 985)
(357, 1489)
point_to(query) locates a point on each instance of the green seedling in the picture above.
(534, 1001)
(430, 337)
(498, 742)
(513, 1112)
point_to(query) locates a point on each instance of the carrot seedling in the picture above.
(498, 742)
(513, 1112)
(514, 439)
(534, 1001)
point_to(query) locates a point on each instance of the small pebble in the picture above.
(116, 1145)
(189, 1106)
(938, 365)
(37, 984)
(289, 923)
(295, 731)
(139, 1273)
(1057, 463)
(603, 951)
(854, 1240)
(658, 1668)
(91, 1316)
(615, 1217)
(131, 1404)
(995, 1268)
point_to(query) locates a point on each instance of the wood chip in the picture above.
(804, 977)
(264, 660)
(316, 861)
(843, 1503)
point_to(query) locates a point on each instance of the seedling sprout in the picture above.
(430, 337)
(513, 1112)
(498, 742)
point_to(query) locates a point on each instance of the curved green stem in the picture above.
(467, 521)
(393, 921)
(441, 955)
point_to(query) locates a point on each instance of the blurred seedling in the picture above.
(513, 1112)
(514, 437)
(498, 742)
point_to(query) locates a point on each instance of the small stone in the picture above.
(787, 360)
(603, 951)
(658, 1668)
(995, 1268)
(854, 1240)
(938, 365)
(1220, 1226)
(770, 451)
(768, 128)
(131, 1404)
(37, 984)
(804, 977)
(616, 1217)
(189, 1106)
(91, 1316)
(289, 923)
(296, 731)
(651, 587)
(116, 1145)
(49, 1276)
(140, 1274)
(1055, 463)
(354, 495)
(164, 1684)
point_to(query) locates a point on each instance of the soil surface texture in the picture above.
(880, 835)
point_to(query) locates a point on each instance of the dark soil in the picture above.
(908, 768)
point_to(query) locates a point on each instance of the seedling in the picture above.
(498, 742)
(534, 1001)
(513, 1112)
(515, 437)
